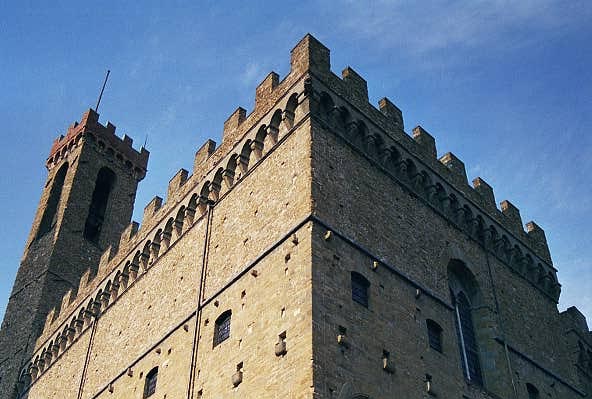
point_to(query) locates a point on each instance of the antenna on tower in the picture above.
(102, 90)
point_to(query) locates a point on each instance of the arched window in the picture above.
(98, 206)
(150, 382)
(465, 295)
(533, 393)
(434, 335)
(49, 215)
(359, 288)
(222, 327)
(468, 342)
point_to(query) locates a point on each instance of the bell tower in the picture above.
(85, 205)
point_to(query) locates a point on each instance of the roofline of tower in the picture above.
(89, 126)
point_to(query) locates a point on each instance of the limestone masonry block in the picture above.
(425, 140)
(104, 261)
(206, 150)
(231, 125)
(538, 240)
(265, 88)
(356, 83)
(455, 165)
(577, 319)
(485, 190)
(512, 214)
(392, 112)
(150, 209)
(177, 181)
(310, 55)
(128, 233)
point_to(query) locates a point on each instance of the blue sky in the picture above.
(505, 85)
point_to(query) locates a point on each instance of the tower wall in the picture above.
(384, 213)
(57, 252)
(252, 197)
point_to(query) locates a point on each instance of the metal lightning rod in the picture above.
(102, 90)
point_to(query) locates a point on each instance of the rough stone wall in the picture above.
(285, 209)
(258, 211)
(394, 322)
(278, 300)
(255, 216)
(63, 379)
(399, 228)
(154, 305)
(53, 263)
(170, 356)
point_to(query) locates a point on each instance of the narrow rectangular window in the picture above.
(359, 289)
(150, 383)
(434, 335)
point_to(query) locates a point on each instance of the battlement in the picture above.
(216, 170)
(380, 133)
(377, 133)
(89, 127)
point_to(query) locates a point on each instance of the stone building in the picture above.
(318, 252)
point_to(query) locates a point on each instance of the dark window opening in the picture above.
(222, 328)
(150, 382)
(359, 289)
(49, 215)
(467, 340)
(98, 205)
(434, 335)
(533, 393)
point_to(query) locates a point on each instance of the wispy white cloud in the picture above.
(453, 26)
(252, 72)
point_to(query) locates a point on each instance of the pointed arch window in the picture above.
(222, 327)
(98, 206)
(150, 382)
(467, 340)
(49, 215)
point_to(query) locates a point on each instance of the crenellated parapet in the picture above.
(579, 341)
(247, 139)
(89, 128)
(341, 105)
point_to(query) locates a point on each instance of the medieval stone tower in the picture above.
(318, 252)
(85, 205)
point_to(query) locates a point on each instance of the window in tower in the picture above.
(49, 215)
(467, 339)
(98, 206)
(434, 335)
(470, 318)
(359, 288)
(150, 382)
(222, 328)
